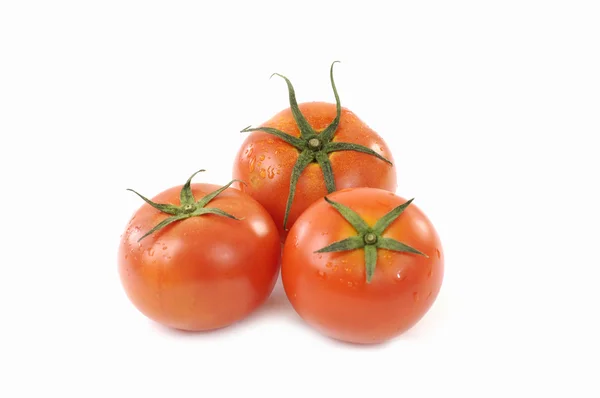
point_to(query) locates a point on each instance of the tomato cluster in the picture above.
(314, 197)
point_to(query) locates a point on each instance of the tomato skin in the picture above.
(203, 272)
(265, 162)
(329, 290)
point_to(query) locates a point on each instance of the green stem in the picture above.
(188, 206)
(186, 196)
(304, 160)
(318, 144)
(165, 208)
(290, 139)
(369, 238)
(325, 164)
(303, 125)
(346, 146)
(351, 243)
(330, 130)
(350, 215)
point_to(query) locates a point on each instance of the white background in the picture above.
(492, 110)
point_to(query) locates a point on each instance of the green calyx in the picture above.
(189, 206)
(313, 146)
(369, 238)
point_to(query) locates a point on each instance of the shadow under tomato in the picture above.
(183, 333)
(359, 346)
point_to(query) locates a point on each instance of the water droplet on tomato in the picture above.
(126, 256)
(438, 253)
(270, 172)
(151, 252)
(350, 284)
(429, 272)
(348, 269)
(263, 173)
(164, 247)
(335, 268)
(328, 265)
(428, 295)
(400, 276)
(415, 296)
(261, 157)
(322, 274)
(252, 160)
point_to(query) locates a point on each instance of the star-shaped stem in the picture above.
(188, 206)
(369, 238)
(313, 146)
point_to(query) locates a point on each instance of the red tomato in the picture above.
(378, 281)
(306, 151)
(204, 270)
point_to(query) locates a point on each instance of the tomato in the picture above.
(306, 151)
(362, 265)
(199, 257)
